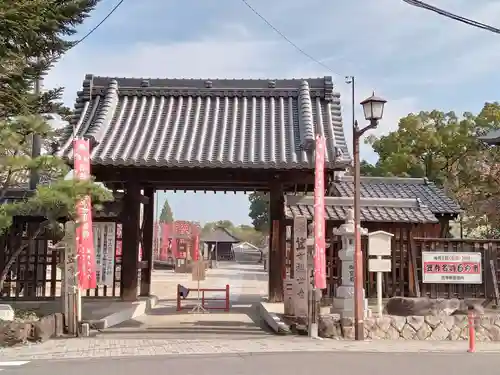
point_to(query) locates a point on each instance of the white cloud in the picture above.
(207, 58)
(183, 60)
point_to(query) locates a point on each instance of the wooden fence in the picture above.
(36, 274)
(395, 283)
(489, 249)
(405, 279)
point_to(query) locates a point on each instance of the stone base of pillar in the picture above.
(343, 304)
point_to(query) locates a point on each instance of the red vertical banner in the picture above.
(182, 231)
(195, 231)
(155, 241)
(165, 237)
(84, 236)
(119, 240)
(173, 242)
(319, 215)
(196, 247)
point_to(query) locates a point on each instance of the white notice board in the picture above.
(451, 268)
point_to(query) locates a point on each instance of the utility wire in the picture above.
(91, 31)
(115, 8)
(287, 39)
(442, 12)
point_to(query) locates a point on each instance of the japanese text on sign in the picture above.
(452, 268)
(300, 307)
(104, 244)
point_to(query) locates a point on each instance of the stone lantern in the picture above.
(343, 303)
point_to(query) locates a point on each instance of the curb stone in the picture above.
(95, 348)
(273, 320)
(141, 307)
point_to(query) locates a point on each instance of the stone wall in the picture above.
(19, 332)
(454, 327)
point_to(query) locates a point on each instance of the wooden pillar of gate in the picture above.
(131, 240)
(277, 243)
(147, 242)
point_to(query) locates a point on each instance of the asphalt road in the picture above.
(272, 363)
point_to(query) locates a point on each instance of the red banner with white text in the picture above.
(165, 241)
(156, 252)
(84, 236)
(119, 233)
(319, 215)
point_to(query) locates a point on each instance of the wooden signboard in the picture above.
(198, 270)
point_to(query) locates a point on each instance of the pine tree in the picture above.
(32, 38)
(166, 215)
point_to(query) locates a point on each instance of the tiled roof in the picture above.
(209, 123)
(220, 235)
(21, 180)
(15, 195)
(372, 209)
(109, 209)
(491, 138)
(400, 188)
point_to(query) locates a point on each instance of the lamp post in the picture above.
(373, 108)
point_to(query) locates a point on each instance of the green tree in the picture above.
(32, 38)
(166, 215)
(259, 211)
(480, 189)
(226, 224)
(445, 149)
(370, 170)
(211, 225)
(429, 144)
(247, 233)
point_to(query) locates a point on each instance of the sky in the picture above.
(413, 58)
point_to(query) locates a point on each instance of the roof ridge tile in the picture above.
(306, 124)
(252, 124)
(105, 113)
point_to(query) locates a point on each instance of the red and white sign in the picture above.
(319, 215)
(84, 236)
(182, 228)
(451, 268)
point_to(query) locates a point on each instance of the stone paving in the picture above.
(248, 285)
(93, 348)
(247, 288)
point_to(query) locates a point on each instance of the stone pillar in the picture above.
(343, 303)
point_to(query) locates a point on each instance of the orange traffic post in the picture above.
(472, 332)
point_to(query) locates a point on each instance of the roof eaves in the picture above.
(491, 138)
(307, 200)
(383, 180)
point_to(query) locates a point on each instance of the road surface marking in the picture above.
(13, 363)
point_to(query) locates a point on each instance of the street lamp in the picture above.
(373, 108)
